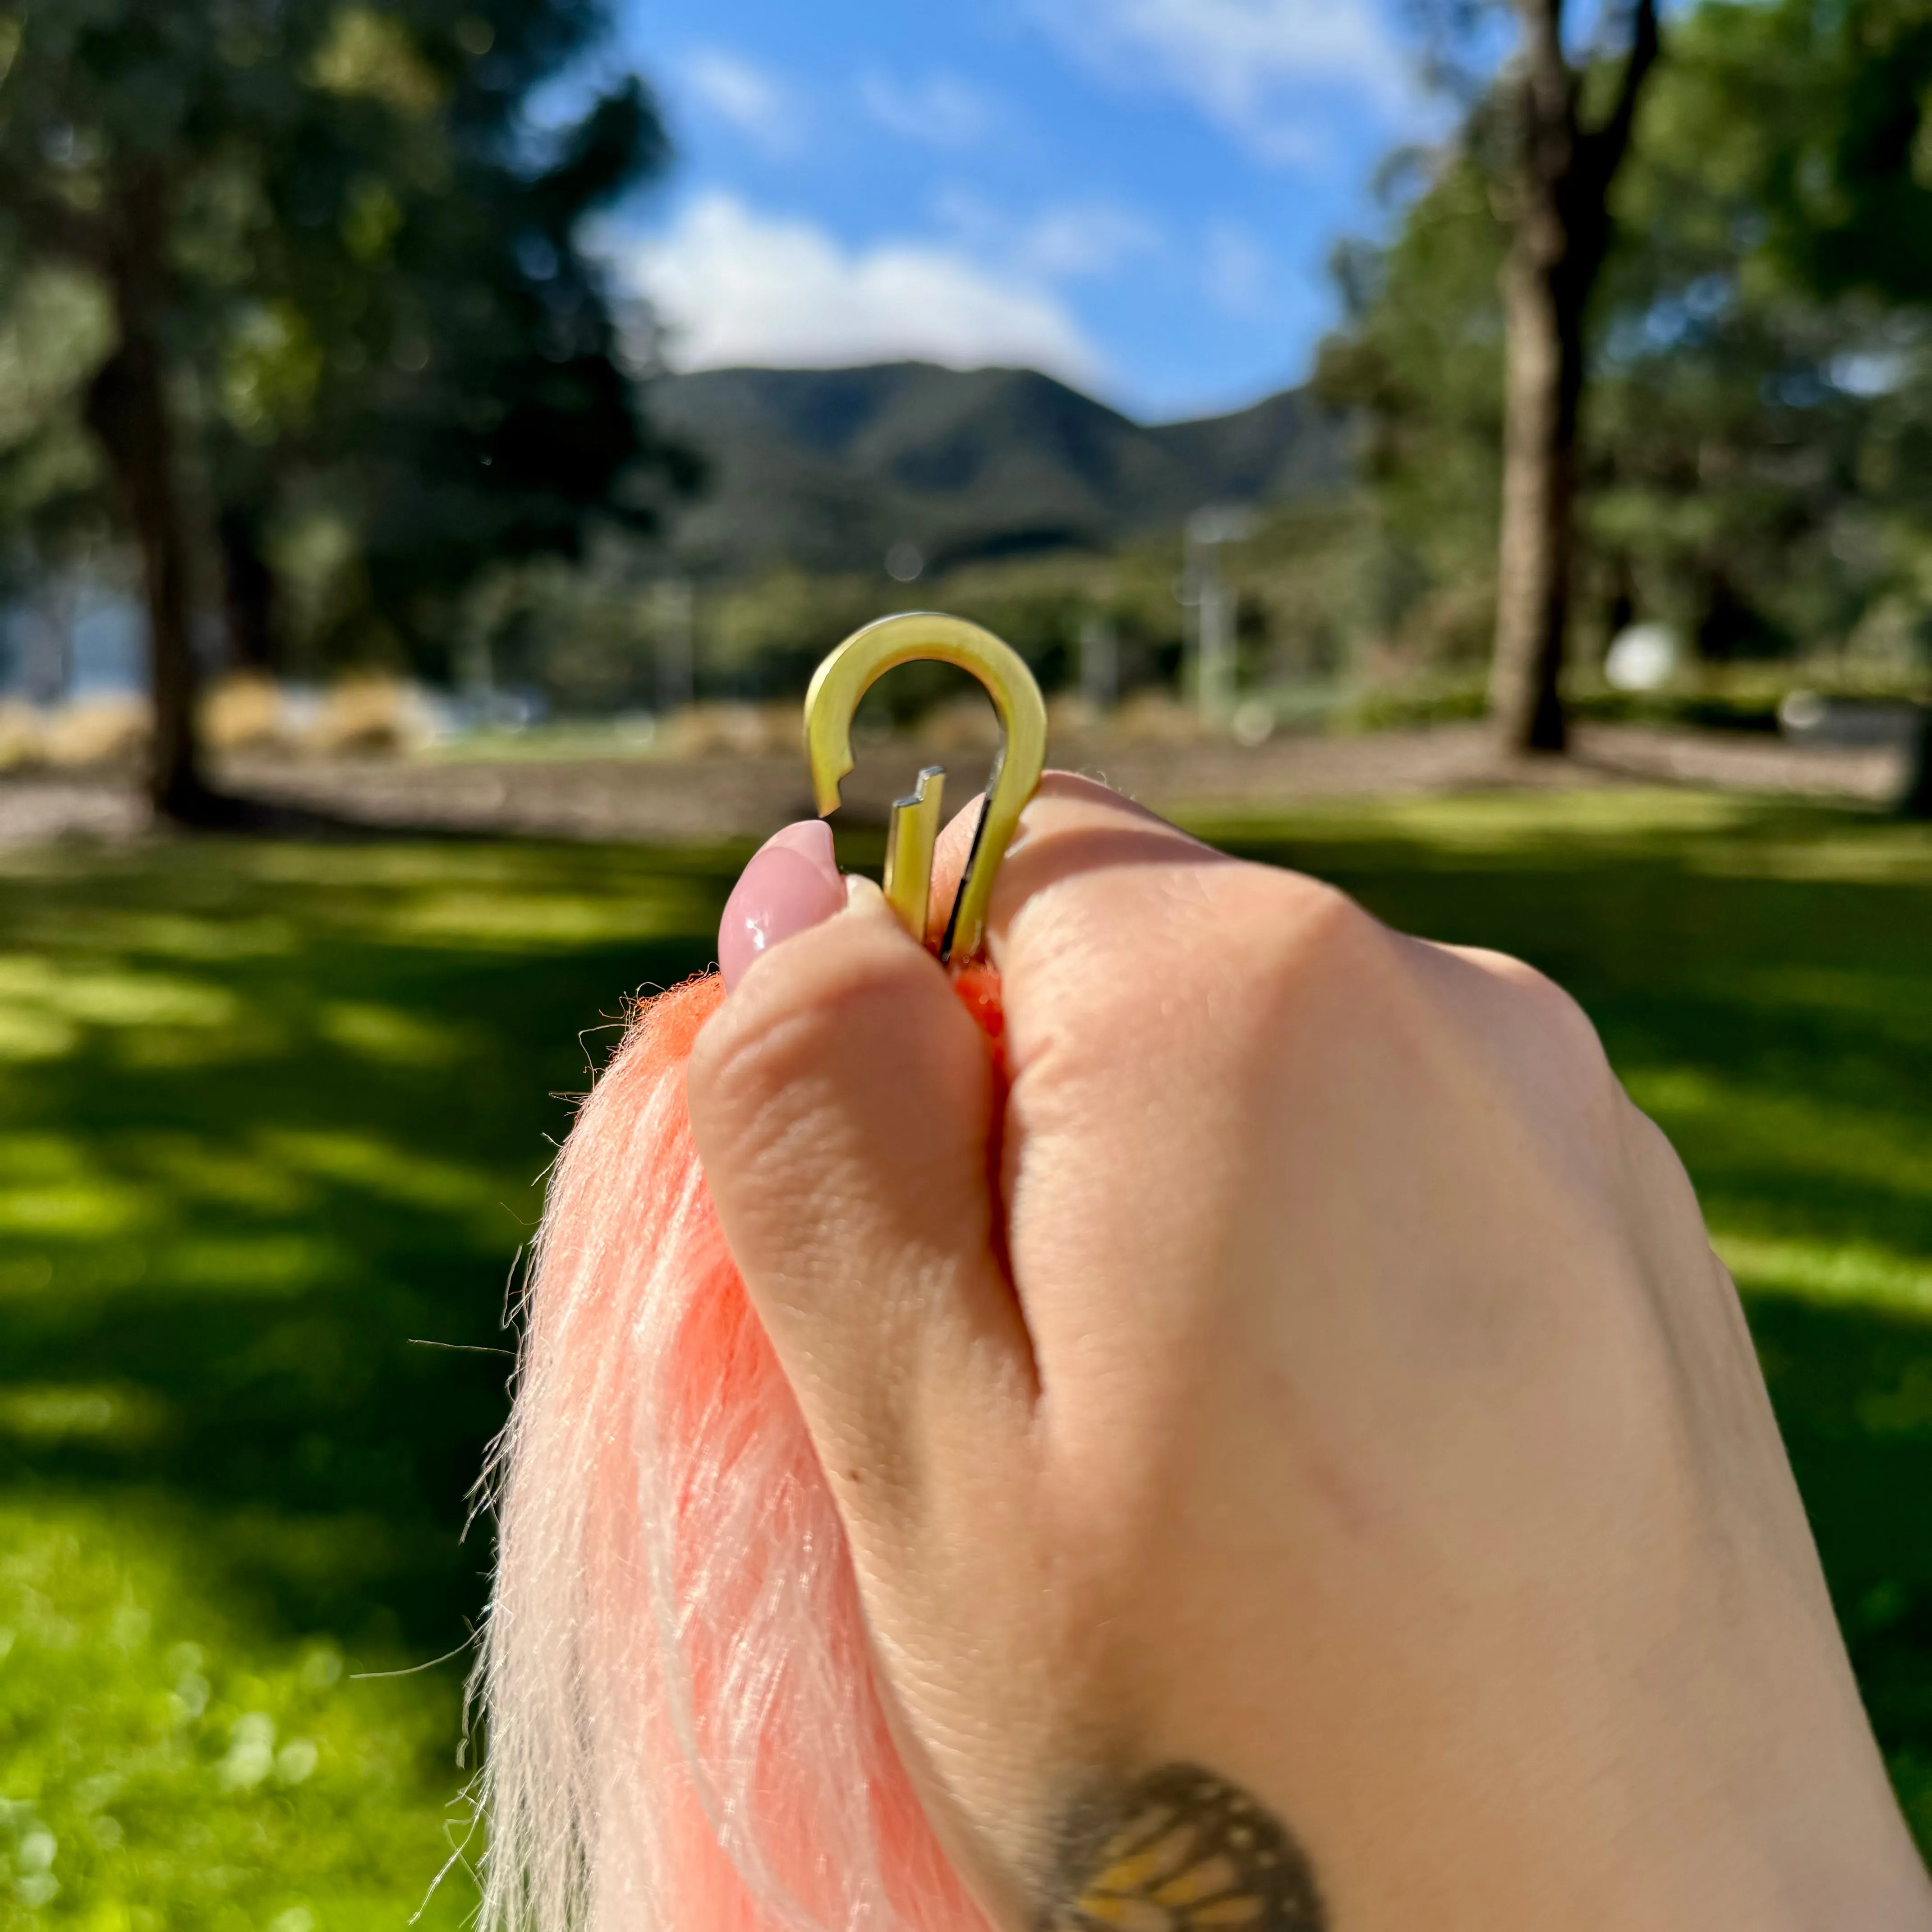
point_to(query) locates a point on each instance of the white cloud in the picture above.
(734, 286)
(1086, 239)
(942, 111)
(1257, 68)
(1063, 242)
(1237, 269)
(744, 96)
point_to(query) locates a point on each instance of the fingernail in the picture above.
(792, 882)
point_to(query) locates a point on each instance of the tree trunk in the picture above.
(249, 593)
(1917, 802)
(1544, 361)
(127, 410)
(1559, 217)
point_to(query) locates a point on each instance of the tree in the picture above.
(1467, 335)
(1844, 184)
(431, 361)
(55, 332)
(1418, 365)
(1725, 464)
(322, 217)
(1758, 348)
(1554, 194)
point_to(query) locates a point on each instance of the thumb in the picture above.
(843, 1102)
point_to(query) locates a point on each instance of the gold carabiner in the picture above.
(837, 686)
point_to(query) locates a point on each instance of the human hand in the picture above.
(1303, 1466)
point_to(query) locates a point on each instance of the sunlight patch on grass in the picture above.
(48, 1006)
(160, 1049)
(389, 1036)
(522, 921)
(40, 1414)
(1897, 998)
(1881, 853)
(380, 866)
(97, 996)
(28, 1033)
(1486, 823)
(1774, 1129)
(1729, 834)
(193, 1169)
(378, 1165)
(177, 936)
(1829, 1273)
(277, 1265)
(55, 1185)
(156, 1772)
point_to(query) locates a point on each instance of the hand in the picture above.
(1299, 1451)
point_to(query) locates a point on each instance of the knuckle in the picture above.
(1560, 1017)
(1232, 951)
(1310, 936)
(1551, 1018)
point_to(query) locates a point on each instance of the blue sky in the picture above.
(1138, 195)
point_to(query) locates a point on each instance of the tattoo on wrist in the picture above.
(1179, 1850)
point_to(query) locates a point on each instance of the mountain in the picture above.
(828, 469)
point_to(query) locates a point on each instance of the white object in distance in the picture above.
(1643, 657)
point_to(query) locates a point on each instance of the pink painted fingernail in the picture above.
(792, 882)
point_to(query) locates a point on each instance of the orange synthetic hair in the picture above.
(683, 1733)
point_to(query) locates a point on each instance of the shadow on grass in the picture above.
(272, 1124)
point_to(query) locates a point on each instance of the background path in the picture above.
(728, 797)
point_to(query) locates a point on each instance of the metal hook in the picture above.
(837, 686)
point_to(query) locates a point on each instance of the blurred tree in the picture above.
(1418, 362)
(54, 331)
(1465, 347)
(339, 268)
(1553, 191)
(1753, 466)
(1843, 180)
(1723, 457)
(429, 358)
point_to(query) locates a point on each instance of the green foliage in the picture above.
(443, 375)
(1759, 423)
(1724, 452)
(586, 635)
(1419, 360)
(1846, 186)
(371, 292)
(55, 329)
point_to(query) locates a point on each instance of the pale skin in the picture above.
(1320, 1375)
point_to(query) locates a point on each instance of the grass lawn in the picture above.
(272, 1123)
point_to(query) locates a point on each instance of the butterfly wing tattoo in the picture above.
(1181, 1850)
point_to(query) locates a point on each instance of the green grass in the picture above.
(273, 1120)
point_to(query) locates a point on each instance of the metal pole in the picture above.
(1215, 619)
(1212, 601)
(1099, 662)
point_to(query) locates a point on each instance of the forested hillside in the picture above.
(828, 469)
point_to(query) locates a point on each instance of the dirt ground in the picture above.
(726, 796)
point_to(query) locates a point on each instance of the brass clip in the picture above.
(843, 678)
